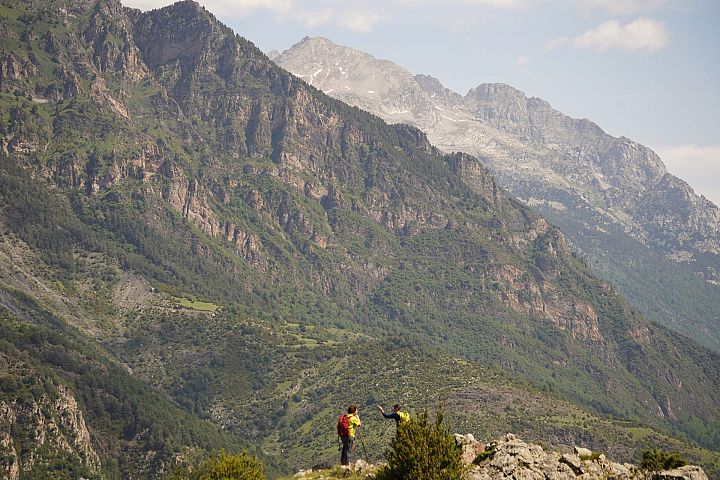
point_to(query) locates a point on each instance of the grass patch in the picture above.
(329, 474)
(196, 305)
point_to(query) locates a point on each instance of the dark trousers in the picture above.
(348, 445)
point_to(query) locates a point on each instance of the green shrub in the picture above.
(423, 449)
(592, 457)
(656, 460)
(223, 467)
(482, 456)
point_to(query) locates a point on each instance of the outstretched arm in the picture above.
(392, 415)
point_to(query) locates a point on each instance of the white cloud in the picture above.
(641, 35)
(482, 3)
(556, 43)
(496, 3)
(358, 21)
(621, 7)
(232, 8)
(314, 18)
(699, 166)
(353, 20)
(310, 15)
(523, 60)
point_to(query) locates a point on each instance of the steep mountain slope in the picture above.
(238, 238)
(68, 410)
(638, 225)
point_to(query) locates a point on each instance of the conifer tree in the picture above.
(423, 449)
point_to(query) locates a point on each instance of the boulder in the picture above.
(470, 447)
(583, 452)
(361, 465)
(688, 472)
(573, 461)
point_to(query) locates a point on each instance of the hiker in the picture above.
(346, 427)
(397, 414)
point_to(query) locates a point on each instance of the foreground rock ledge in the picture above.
(514, 459)
(518, 460)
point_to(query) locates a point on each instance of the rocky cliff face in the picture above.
(41, 432)
(612, 196)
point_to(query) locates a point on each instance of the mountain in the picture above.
(206, 240)
(636, 224)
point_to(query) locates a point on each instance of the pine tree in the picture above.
(423, 449)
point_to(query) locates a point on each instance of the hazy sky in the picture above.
(645, 69)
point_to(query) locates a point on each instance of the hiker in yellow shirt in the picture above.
(347, 426)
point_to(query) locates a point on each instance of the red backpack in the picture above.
(343, 425)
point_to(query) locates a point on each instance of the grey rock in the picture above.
(583, 452)
(573, 461)
(519, 460)
(688, 472)
(468, 439)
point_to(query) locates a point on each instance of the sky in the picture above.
(648, 70)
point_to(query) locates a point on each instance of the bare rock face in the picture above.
(110, 34)
(56, 425)
(11, 463)
(13, 67)
(357, 78)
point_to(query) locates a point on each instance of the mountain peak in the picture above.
(181, 31)
(496, 90)
(307, 39)
(320, 48)
(429, 83)
(189, 4)
(189, 9)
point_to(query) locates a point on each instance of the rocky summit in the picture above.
(637, 224)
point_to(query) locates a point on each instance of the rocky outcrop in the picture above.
(514, 458)
(541, 299)
(43, 424)
(13, 67)
(110, 34)
(11, 461)
(688, 472)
